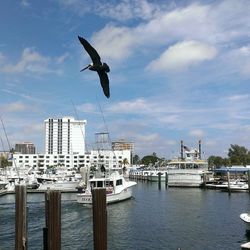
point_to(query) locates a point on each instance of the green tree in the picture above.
(4, 162)
(125, 162)
(215, 161)
(136, 159)
(238, 155)
(149, 159)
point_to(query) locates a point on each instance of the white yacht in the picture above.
(117, 188)
(189, 170)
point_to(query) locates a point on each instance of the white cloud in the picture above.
(87, 108)
(61, 59)
(238, 97)
(239, 59)
(2, 58)
(33, 62)
(33, 129)
(182, 55)
(114, 43)
(16, 107)
(25, 3)
(134, 106)
(209, 27)
(117, 10)
(23, 94)
(197, 133)
(128, 9)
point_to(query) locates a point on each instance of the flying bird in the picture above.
(101, 68)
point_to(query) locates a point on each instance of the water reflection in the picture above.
(155, 219)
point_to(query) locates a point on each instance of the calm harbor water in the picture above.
(171, 218)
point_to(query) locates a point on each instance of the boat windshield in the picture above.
(109, 184)
(94, 184)
(119, 182)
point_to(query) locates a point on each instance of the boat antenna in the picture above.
(104, 121)
(106, 127)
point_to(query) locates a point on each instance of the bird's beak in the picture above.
(85, 68)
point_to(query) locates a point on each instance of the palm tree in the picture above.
(124, 162)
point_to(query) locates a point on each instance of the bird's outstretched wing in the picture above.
(104, 82)
(91, 51)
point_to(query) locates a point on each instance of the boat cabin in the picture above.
(101, 183)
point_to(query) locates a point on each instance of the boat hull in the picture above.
(86, 198)
(185, 178)
(246, 218)
(63, 186)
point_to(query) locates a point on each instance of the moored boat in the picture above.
(62, 185)
(238, 187)
(189, 170)
(246, 218)
(117, 188)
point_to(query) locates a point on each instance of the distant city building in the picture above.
(94, 158)
(25, 148)
(64, 136)
(65, 146)
(122, 145)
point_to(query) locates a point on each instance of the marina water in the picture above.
(186, 218)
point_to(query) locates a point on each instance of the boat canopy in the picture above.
(232, 169)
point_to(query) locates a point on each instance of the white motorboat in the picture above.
(59, 184)
(117, 188)
(246, 218)
(233, 186)
(238, 186)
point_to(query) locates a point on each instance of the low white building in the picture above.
(107, 158)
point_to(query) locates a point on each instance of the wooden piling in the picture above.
(166, 179)
(159, 180)
(248, 174)
(204, 180)
(228, 182)
(52, 231)
(21, 237)
(99, 218)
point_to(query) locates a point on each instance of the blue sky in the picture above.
(180, 70)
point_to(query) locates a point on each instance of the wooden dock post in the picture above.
(248, 180)
(99, 205)
(228, 182)
(159, 180)
(166, 179)
(204, 180)
(52, 231)
(21, 237)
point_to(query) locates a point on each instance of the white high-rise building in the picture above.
(64, 136)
